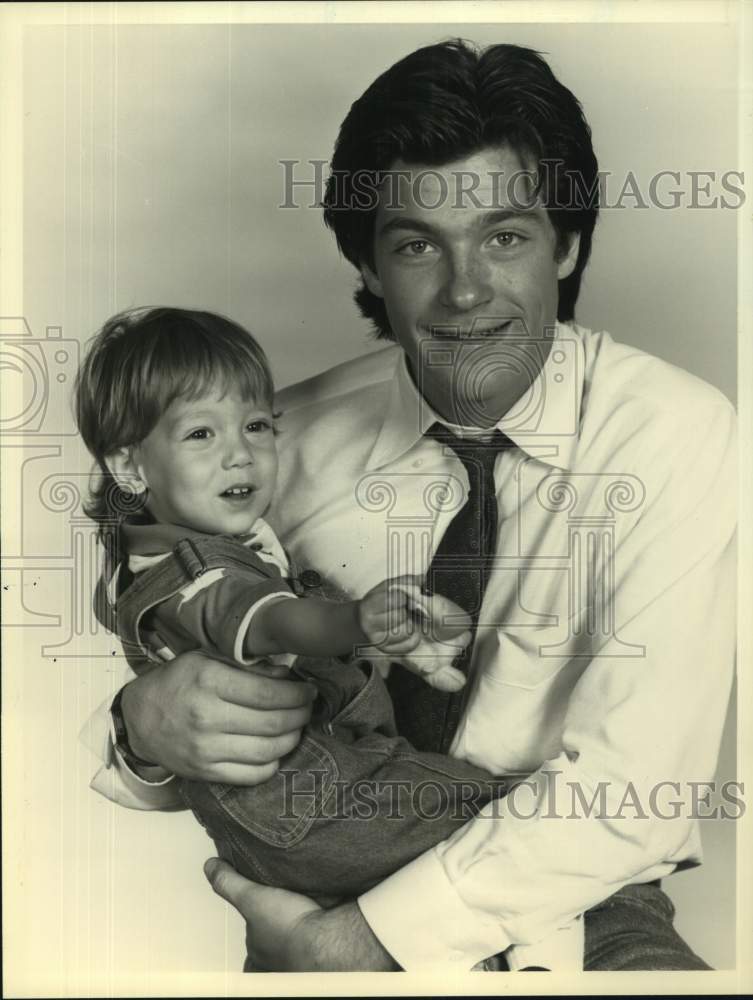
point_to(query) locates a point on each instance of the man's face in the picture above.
(456, 273)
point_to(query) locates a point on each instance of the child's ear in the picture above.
(123, 466)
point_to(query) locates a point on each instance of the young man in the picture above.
(462, 189)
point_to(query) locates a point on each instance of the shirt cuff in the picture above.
(152, 775)
(561, 951)
(118, 784)
(423, 923)
(115, 780)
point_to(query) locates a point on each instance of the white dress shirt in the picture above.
(603, 658)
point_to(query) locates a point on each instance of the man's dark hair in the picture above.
(446, 102)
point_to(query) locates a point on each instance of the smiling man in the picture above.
(451, 268)
(580, 491)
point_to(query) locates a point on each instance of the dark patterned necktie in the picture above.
(460, 570)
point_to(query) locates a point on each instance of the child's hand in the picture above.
(386, 618)
(445, 632)
(425, 633)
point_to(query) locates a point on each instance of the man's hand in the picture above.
(202, 719)
(287, 932)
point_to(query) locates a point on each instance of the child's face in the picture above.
(210, 463)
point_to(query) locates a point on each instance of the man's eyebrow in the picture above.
(407, 223)
(513, 215)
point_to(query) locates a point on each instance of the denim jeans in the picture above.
(354, 802)
(350, 805)
(633, 930)
(630, 931)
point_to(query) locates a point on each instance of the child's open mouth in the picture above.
(237, 493)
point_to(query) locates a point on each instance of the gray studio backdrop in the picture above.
(152, 176)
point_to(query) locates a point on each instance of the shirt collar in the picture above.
(156, 539)
(543, 423)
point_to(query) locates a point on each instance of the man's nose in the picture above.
(467, 283)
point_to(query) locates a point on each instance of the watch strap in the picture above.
(121, 736)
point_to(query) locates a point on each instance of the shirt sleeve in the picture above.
(212, 612)
(639, 735)
(114, 779)
(215, 611)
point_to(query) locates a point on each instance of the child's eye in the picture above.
(259, 426)
(200, 434)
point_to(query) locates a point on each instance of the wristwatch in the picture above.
(121, 736)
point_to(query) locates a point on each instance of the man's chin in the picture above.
(473, 413)
(486, 409)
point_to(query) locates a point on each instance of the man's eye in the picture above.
(416, 248)
(259, 426)
(506, 239)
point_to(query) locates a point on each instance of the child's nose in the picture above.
(239, 453)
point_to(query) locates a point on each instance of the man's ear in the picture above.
(566, 261)
(126, 471)
(371, 280)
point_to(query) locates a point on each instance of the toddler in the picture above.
(176, 406)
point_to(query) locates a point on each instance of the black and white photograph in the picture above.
(433, 324)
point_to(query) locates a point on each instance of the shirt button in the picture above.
(310, 578)
(418, 463)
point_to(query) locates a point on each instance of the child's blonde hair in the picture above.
(142, 360)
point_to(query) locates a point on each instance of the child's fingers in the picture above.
(405, 594)
(461, 640)
(397, 599)
(437, 614)
(393, 615)
(447, 618)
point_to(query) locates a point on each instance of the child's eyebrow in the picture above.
(191, 416)
(188, 416)
(178, 421)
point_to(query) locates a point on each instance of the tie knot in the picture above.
(472, 452)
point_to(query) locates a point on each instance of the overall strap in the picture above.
(190, 558)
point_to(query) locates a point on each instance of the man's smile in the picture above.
(478, 328)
